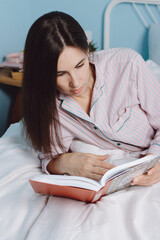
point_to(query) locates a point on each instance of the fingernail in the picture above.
(135, 181)
(149, 173)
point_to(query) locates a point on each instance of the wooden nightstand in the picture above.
(6, 78)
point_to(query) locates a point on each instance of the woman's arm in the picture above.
(80, 164)
(149, 96)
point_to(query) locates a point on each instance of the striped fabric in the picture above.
(125, 107)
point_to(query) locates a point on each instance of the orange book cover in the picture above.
(77, 193)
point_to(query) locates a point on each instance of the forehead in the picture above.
(70, 57)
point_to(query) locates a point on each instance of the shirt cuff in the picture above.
(154, 149)
(44, 163)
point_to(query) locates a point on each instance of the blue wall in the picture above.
(14, 23)
(17, 16)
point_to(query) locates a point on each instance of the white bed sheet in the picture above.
(133, 213)
(154, 67)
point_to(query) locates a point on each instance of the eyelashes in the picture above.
(80, 65)
(59, 74)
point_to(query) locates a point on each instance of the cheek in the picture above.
(62, 84)
(85, 74)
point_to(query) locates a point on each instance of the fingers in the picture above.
(142, 180)
(105, 165)
(100, 161)
(149, 178)
(95, 176)
(98, 167)
(98, 170)
(98, 157)
(87, 165)
(151, 171)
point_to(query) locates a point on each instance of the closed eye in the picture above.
(60, 74)
(79, 65)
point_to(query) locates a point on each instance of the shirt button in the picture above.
(118, 144)
(95, 127)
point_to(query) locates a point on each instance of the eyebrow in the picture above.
(75, 66)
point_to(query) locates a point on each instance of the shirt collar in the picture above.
(93, 59)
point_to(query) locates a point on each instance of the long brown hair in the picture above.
(45, 41)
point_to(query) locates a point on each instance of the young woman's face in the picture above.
(74, 76)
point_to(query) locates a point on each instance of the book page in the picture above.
(123, 180)
(122, 168)
(66, 180)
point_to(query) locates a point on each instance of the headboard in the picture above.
(136, 5)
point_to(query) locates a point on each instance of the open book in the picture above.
(88, 190)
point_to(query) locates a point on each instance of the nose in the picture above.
(74, 82)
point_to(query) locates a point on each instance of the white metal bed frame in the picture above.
(113, 3)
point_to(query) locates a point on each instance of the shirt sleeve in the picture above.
(44, 162)
(44, 159)
(149, 97)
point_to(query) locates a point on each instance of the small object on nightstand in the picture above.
(17, 75)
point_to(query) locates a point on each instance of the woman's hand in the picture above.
(149, 178)
(80, 164)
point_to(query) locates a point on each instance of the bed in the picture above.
(130, 214)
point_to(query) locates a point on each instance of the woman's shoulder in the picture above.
(115, 56)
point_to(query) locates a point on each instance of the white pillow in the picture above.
(155, 68)
(154, 43)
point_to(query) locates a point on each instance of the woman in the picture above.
(108, 99)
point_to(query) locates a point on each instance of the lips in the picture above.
(77, 90)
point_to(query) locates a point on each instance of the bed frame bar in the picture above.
(113, 3)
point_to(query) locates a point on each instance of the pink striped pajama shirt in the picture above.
(125, 107)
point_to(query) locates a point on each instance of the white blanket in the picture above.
(133, 213)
